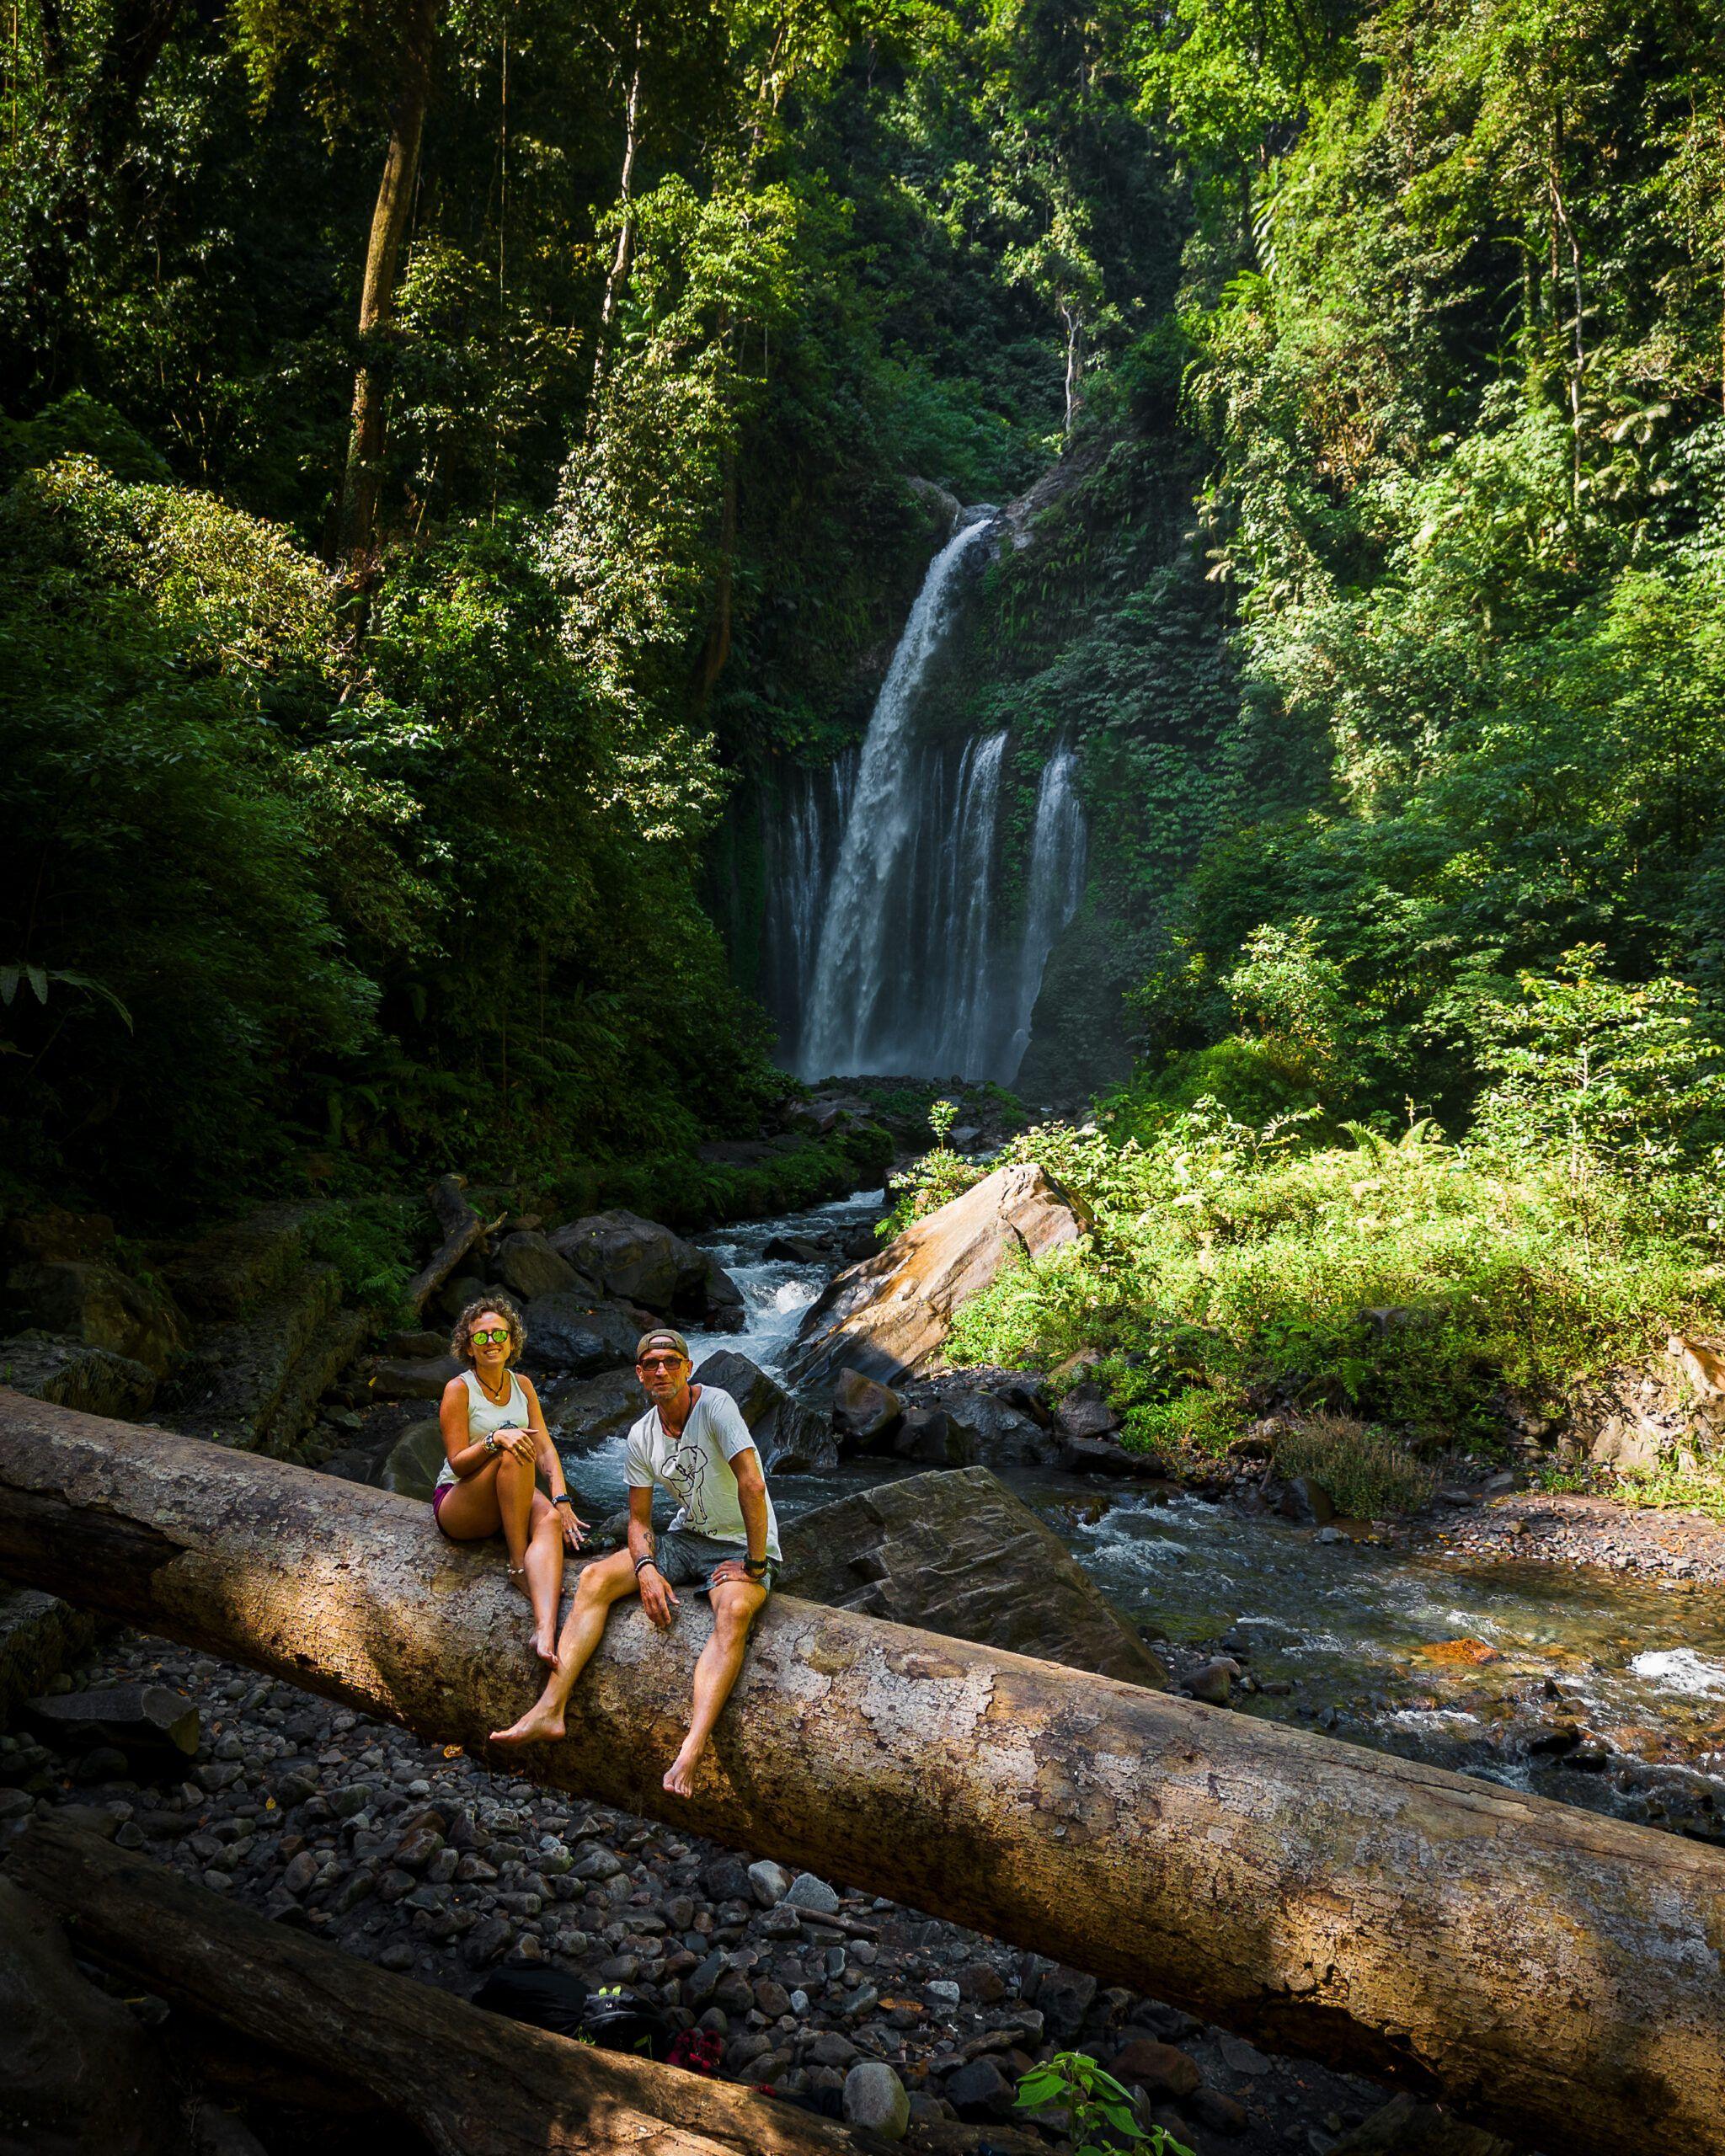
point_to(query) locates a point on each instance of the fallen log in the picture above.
(1556, 1973)
(463, 1228)
(473, 2082)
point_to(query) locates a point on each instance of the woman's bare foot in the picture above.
(545, 1645)
(540, 1725)
(680, 1775)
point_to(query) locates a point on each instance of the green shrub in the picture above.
(1369, 1472)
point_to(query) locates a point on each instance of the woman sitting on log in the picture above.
(494, 1434)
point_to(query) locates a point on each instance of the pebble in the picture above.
(435, 1868)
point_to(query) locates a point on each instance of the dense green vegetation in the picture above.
(448, 454)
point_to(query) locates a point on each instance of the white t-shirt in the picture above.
(696, 1468)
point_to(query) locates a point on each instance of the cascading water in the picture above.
(1058, 849)
(860, 959)
(905, 971)
(802, 820)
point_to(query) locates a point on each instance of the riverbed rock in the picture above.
(70, 1373)
(889, 1317)
(933, 1438)
(83, 1300)
(415, 1460)
(527, 1266)
(572, 1332)
(1108, 1456)
(40, 1637)
(584, 1412)
(638, 1261)
(876, 2099)
(863, 1412)
(957, 1552)
(155, 1729)
(1005, 1435)
(393, 1377)
(790, 1438)
(78, 2073)
(1087, 1411)
(254, 1382)
(1406, 2127)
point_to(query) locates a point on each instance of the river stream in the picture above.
(1598, 1690)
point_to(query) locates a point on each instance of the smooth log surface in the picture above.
(474, 2083)
(1556, 1973)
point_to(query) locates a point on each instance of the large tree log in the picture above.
(474, 2083)
(463, 1228)
(1556, 1973)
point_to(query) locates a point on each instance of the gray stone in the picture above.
(789, 1438)
(155, 1729)
(527, 1266)
(830, 2048)
(979, 2092)
(1086, 1412)
(583, 1413)
(1062, 1999)
(102, 1307)
(39, 1636)
(70, 1373)
(1307, 1502)
(877, 2100)
(576, 1334)
(414, 1461)
(395, 1377)
(769, 1882)
(1406, 2127)
(255, 1382)
(806, 1892)
(1210, 1680)
(638, 1261)
(864, 1413)
(958, 1553)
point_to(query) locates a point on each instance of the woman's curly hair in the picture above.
(461, 1340)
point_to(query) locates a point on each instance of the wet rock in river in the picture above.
(567, 1332)
(957, 1552)
(889, 1316)
(636, 1261)
(1086, 1412)
(864, 1413)
(790, 1438)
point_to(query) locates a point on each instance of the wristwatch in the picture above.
(755, 1567)
(565, 1499)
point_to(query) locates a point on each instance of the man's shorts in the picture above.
(686, 1560)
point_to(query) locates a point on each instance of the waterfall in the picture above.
(882, 926)
(1054, 887)
(803, 814)
(863, 962)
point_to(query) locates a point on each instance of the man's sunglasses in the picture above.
(658, 1363)
(495, 1338)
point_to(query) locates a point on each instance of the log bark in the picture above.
(463, 1228)
(1556, 1974)
(473, 2082)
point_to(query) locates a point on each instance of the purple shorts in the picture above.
(438, 1496)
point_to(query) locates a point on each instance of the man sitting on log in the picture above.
(724, 1543)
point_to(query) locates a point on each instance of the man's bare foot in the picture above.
(540, 1725)
(679, 1776)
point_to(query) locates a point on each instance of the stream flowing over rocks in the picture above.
(1554, 1644)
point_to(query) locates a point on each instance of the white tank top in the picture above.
(485, 1417)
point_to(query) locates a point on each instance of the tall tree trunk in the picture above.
(617, 277)
(362, 482)
(1557, 1973)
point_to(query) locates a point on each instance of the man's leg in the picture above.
(599, 1586)
(735, 1603)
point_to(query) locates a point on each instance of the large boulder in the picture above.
(232, 1270)
(70, 1375)
(572, 1332)
(889, 1317)
(864, 1414)
(789, 1438)
(78, 2073)
(638, 1261)
(85, 1300)
(40, 1637)
(157, 1730)
(528, 1267)
(587, 1411)
(255, 1382)
(414, 1461)
(955, 1552)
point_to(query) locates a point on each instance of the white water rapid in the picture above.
(1058, 851)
